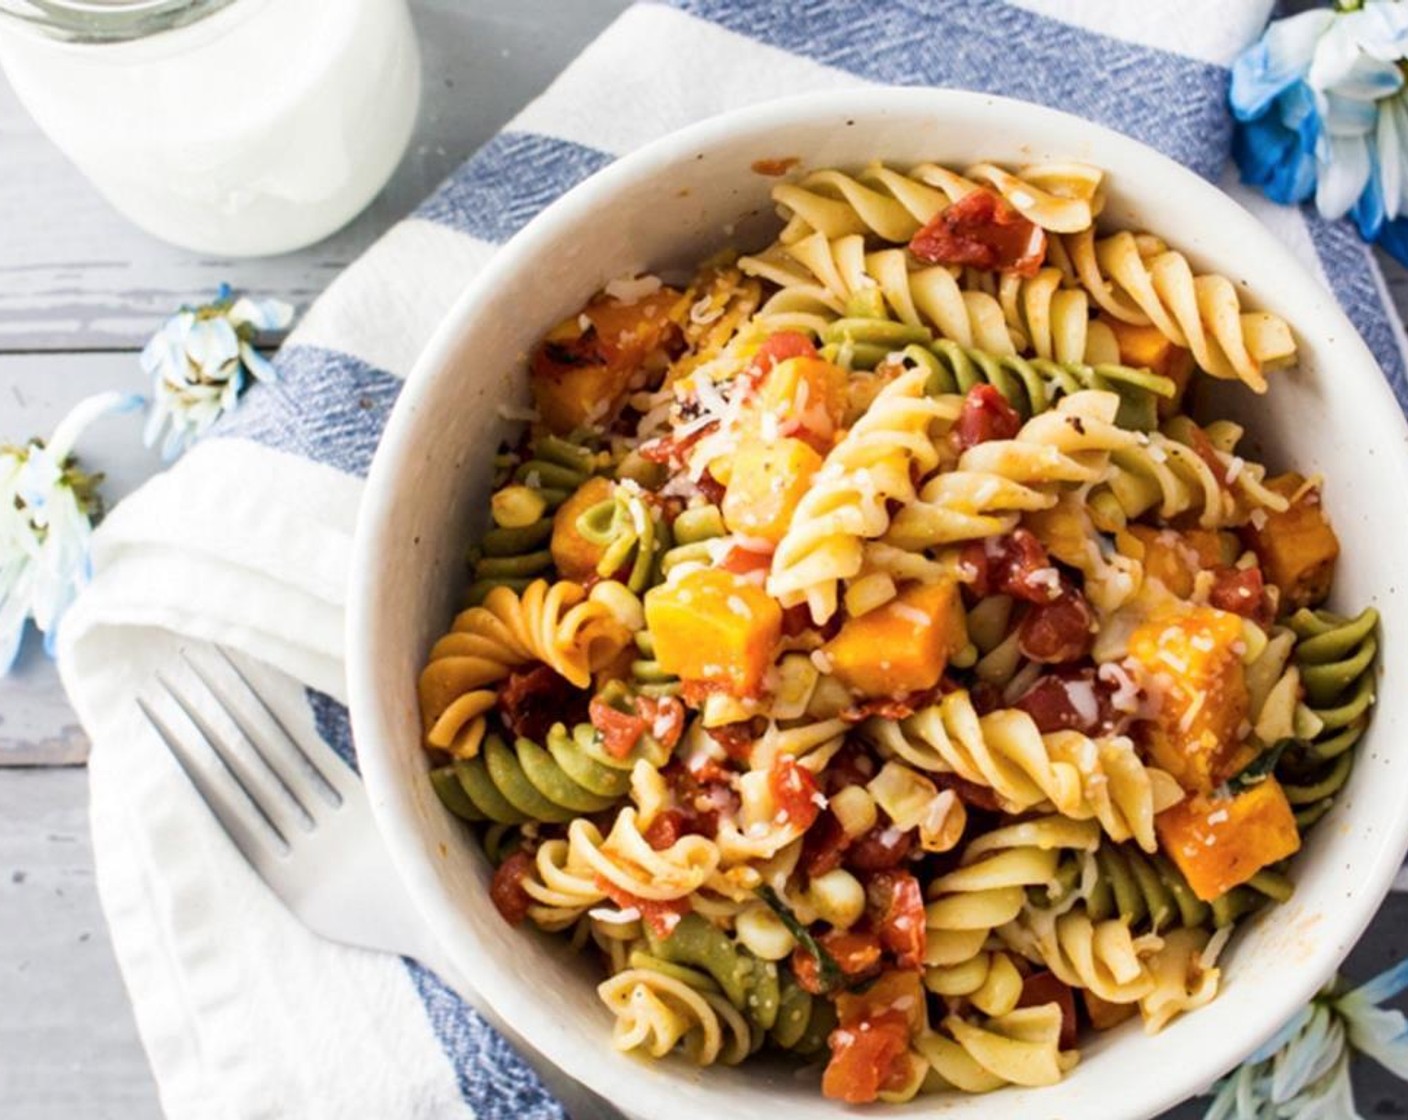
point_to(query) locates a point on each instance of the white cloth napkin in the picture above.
(245, 542)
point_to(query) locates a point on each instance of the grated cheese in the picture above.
(518, 412)
(632, 289)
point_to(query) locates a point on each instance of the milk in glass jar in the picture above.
(231, 127)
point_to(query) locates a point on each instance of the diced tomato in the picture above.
(1068, 699)
(984, 230)
(534, 697)
(506, 888)
(1009, 566)
(866, 1059)
(824, 845)
(665, 829)
(1242, 591)
(741, 561)
(778, 348)
(794, 792)
(664, 718)
(986, 416)
(1057, 632)
(856, 955)
(1042, 988)
(880, 849)
(620, 731)
(895, 904)
(661, 917)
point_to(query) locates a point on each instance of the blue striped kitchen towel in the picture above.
(246, 540)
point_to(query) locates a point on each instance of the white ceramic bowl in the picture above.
(670, 204)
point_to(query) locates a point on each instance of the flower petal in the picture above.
(1282, 56)
(1343, 164)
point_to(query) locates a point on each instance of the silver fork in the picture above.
(300, 816)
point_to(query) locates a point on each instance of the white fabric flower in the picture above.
(1303, 1072)
(46, 520)
(200, 361)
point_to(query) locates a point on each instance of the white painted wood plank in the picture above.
(37, 726)
(75, 274)
(68, 1045)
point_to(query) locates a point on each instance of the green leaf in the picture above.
(828, 971)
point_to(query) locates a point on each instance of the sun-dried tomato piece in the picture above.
(506, 888)
(534, 697)
(986, 416)
(1041, 988)
(620, 731)
(895, 905)
(856, 954)
(1242, 591)
(983, 230)
(1059, 631)
(794, 792)
(880, 849)
(1071, 699)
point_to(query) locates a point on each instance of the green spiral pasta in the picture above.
(1335, 656)
(515, 551)
(1150, 895)
(804, 1021)
(631, 534)
(689, 537)
(749, 983)
(570, 775)
(1030, 385)
(647, 677)
(690, 534)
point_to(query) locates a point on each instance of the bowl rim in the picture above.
(500, 988)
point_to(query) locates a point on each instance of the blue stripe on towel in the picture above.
(498, 189)
(1348, 264)
(326, 406)
(1173, 103)
(493, 1080)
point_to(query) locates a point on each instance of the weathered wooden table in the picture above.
(80, 290)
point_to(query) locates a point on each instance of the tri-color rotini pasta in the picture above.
(873, 658)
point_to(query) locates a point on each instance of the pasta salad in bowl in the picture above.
(922, 639)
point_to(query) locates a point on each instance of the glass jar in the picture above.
(232, 127)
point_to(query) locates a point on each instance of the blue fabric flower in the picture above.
(200, 361)
(1320, 109)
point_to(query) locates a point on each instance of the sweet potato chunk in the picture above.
(1297, 547)
(1221, 842)
(808, 397)
(903, 646)
(582, 370)
(714, 627)
(1192, 662)
(765, 484)
(1175, 558)
(1145, 347)
(573, 555)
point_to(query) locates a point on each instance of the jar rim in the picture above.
(106, 21)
